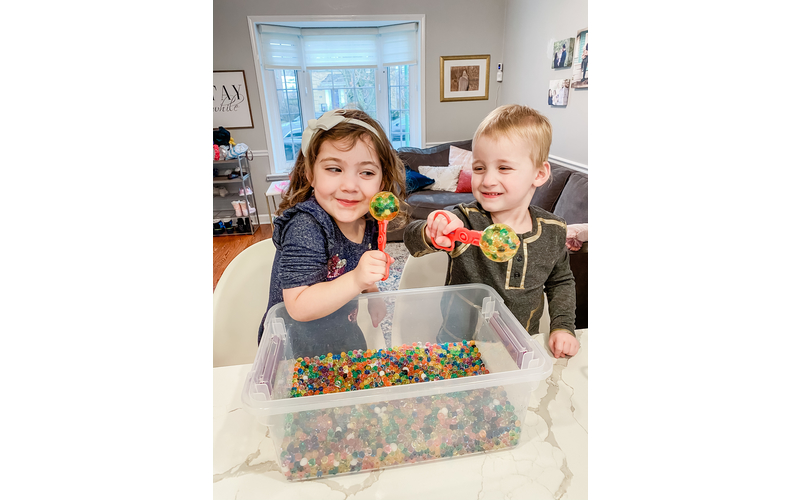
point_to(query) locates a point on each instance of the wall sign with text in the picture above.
(231, 102)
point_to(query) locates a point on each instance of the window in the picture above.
(291, 115)
(308, 71)
(399, 108)
(337, 88)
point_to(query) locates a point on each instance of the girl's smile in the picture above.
(345, 181)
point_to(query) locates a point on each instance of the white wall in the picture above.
(530, 28)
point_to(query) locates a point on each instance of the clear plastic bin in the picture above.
(380, 427)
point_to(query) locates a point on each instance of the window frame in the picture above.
(269, 100)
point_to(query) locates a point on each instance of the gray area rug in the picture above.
(400, 254)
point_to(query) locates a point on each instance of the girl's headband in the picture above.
(327, 121)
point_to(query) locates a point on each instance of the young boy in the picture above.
(510, 150)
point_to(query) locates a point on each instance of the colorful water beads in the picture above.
(355, 370)
(384, 206)
(499, 242)
(360, 437)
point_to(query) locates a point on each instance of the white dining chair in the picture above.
(425, 271)
(240, 301)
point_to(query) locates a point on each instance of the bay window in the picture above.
(305, 72)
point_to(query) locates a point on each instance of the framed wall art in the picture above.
(463, 78)
(562, 53)
(558, 92)
(580, 63)
(231, 101)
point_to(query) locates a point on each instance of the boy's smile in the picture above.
(504, 178)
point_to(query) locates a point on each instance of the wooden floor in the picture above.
(228, 247)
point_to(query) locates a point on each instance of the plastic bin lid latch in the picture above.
(274, 352)
(515, 347)
(487, 308)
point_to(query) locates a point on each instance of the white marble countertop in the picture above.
(552, 462)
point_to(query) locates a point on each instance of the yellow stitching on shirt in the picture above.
(423, 237)
(541, 302)
(450, 273)
(524, 271)
(525, 242)
(551, 221)
(459, 250)
(534, 237)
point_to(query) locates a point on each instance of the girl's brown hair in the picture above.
(394, 174)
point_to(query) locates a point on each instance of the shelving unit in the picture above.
(222, 208)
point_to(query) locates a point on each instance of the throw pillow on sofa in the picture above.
(460, 157)
(464, 181)
(446, 178)
(416, 181)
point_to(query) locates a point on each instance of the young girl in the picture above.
(326, 240)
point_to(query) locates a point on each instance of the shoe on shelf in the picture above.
(240, 225)
(223, 192)
(229, 226)
(237, 207)
(248, 190)
(219, 228)
(241, 191)
(247, 227)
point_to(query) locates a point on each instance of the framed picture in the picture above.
(231, 101)
(562, 53)
(558, 92)
(463, 78)
(580, 63)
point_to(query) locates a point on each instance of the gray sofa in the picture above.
(565, 195)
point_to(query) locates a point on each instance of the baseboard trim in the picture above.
(264, 218)
(574, 165)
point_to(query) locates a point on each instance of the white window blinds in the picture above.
(280, 47)
(399, 44)
(319, 48)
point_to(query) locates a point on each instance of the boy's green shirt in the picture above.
(541, 266)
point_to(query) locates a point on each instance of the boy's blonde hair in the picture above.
(523, 122)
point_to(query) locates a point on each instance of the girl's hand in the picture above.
(576, 235)
(574, 244)
(562, 344)
(370, 269)
(437, 227)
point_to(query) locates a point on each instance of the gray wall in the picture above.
(530, 26)
(452, 27)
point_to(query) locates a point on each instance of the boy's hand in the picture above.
(438, 226)
(370, 268)
(562, 344)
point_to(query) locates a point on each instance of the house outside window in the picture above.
(308, 71)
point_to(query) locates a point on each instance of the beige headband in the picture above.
(327, 121)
